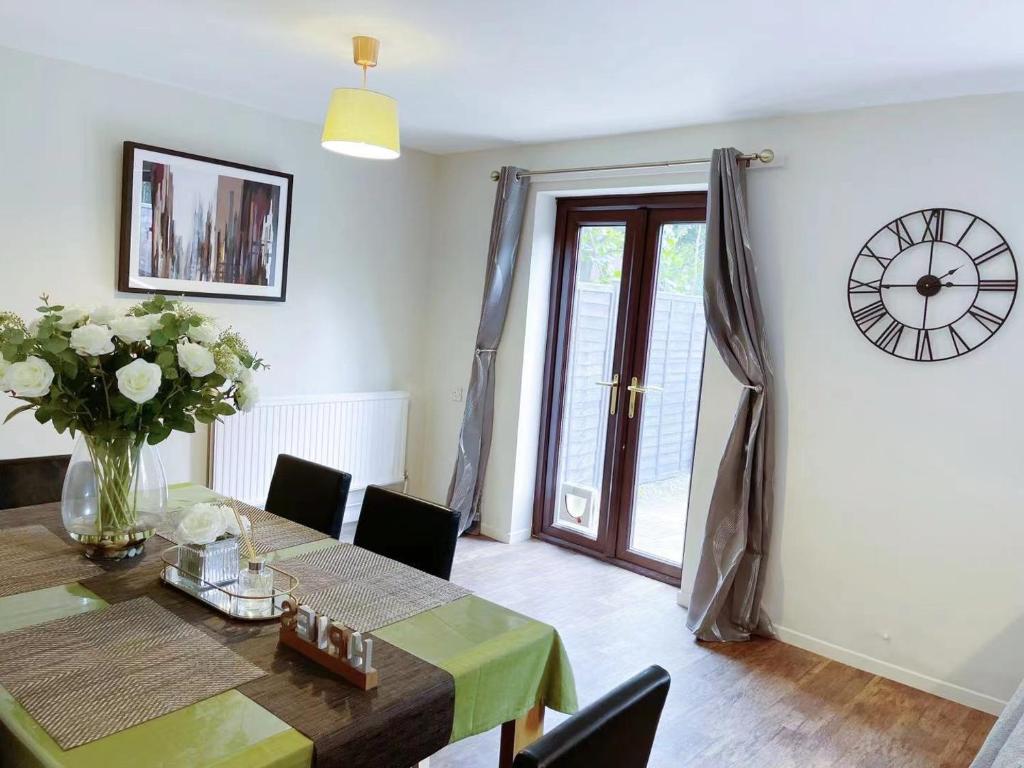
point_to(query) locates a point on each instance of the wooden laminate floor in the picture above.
(762, 704)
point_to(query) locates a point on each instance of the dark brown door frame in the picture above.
(636, 299)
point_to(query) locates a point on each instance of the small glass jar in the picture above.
(255, 589)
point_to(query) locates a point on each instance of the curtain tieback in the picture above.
(755, 387)
(480, 351)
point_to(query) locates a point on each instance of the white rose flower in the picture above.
(70, 317)
(228, 364)
(244, 376)
(204, 333)
(104, 315)
(91, 339)
(30, 378)
(246, 397)
(131, 329)
(231, 524)
(196, 359)
(153, 321)
(203, 524)
(138, 381)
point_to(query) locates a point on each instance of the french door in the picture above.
(622, 378)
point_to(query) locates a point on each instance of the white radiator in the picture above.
(363, 434)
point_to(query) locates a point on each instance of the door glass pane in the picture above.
(668, 429)
(585, 404)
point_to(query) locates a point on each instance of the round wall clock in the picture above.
(932, 284)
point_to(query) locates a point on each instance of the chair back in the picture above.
(413, 531)
(36, 480)
(616, 731)
(309, 493)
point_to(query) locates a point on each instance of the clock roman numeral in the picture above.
(988, 320)
(899, 229)
(870, 314)
(997, 285)
(934, 223)
(991, 253)
(959, 345)
(923, 348)
(966, 230)
(871, 286)
(889, 339)
(883, 262)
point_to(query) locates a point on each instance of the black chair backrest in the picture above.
(616, 731)
(309, 493)
(410, 530)
(37, 480)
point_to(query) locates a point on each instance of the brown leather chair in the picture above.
(35, 480)
(309, 493)
(616, 731)
(410, 530)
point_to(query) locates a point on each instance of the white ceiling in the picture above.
(478, 73)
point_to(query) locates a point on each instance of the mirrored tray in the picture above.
(224, 597)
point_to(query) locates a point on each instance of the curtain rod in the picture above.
(765, 156)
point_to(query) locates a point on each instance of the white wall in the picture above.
(359, 230)
(897, 543)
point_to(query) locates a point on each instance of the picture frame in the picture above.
(199, 226)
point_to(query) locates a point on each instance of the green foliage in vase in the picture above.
(143, 373)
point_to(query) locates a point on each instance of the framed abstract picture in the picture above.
(197, 226)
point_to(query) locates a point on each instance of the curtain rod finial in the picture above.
(495, 175)
(766, 155)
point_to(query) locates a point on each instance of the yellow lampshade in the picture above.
(361, 123)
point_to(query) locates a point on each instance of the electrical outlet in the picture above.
(457, 394)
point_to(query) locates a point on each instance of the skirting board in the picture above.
(515, 537)
(942, 688)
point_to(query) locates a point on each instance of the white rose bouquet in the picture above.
(159, 367)
(121, 378)
(205, 523)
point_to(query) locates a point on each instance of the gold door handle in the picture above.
(636, 388)
(614, 396)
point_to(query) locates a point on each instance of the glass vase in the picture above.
(115, 493)
(215, 563)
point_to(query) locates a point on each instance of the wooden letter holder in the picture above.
(339, 638)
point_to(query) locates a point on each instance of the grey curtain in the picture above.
(726, 599)
(477, 422)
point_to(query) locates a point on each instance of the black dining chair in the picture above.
(30, 481)
(309, 493)
(413, 531)
(616, 731)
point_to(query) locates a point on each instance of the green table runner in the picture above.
(503, 663)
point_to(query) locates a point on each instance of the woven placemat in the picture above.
(366, 591)
(33, 558)
(88, 676)
(270, 532)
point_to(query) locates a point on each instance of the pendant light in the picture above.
(361, 122)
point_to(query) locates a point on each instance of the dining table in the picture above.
(445, 673)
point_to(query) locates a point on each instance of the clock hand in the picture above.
(914, 285)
